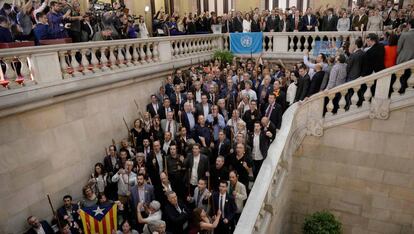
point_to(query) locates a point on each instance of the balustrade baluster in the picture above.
(24, 69)
(313, 44)
(354, 98)
(330, 106)
(104, 60)
(367, 95)
(270, 48)
(342, 102)
(173, 45)
(306, 44)
(112, 58)
(191, 44)
(410, 82)
(291, 44)
(142, 53)
(185, 48)
(85, 62)
(264, 43)
(121, 58)
(128, 56)
(397, 85)
(10, 73)
(178, 49)
(155, 54)
(94, 61)
(149, 53)
(135, 55)
(74, 63)
(226, 44)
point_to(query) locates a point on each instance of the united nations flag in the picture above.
(246, 43)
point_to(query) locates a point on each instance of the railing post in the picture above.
(164, 49)
(280, 43)
(46, 67)
(380, 104)
(220, 42)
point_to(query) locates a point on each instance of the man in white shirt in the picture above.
(248, 90)
(126, 179)
(169, 125)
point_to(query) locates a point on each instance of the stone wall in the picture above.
(52, 150)
(363, 172)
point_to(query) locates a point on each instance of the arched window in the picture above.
(218, 6)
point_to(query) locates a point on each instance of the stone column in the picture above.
(46, 67)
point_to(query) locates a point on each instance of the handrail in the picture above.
(308, 118)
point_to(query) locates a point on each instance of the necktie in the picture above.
(169, 126)
(221, 204)
(269, 110)
(156, 109)
(178, 99)
(178, 209)
(213, 98)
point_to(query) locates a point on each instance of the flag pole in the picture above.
(54, 212)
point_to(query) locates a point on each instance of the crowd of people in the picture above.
(192, 157)
(54, 19)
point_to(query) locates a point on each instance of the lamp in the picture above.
(146, 9)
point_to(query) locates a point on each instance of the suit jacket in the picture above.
(275, 114)
(162, 113)
(406, 47)
(174, 219)
(173, 99)
(303, 86)
(272, 24)
(109, 167)
(164, 123)
(373, 60)
(281, 99)
(203, 167)
(201, 202)
(237, 24)
(218, 175)
(62, 212)
(148, 195)
(152, 111)
(224, 149)
(282, 24)
(153, 167)
(46, 227)
(354, 65)
(186, 123)
(264, 141)
(358, 21)
(200, 110)
(305, 22)
(329, 25)
(225, 29)
(230, 207)
(292, 24)
(250, 118)
(315, 83)
(241, 195)
(255, 26)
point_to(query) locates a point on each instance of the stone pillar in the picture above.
(280, 43)
(380, 104)
(165, 51)
(46, 67)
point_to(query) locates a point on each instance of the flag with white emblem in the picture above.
(100, 219)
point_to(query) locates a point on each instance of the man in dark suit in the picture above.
(203, 108)
(141, 192)
(226, 204)
(176, 215)
(309, 21)
(273, 111)
(193, 176)
(155, 163)
(165, 108)
(227, 24)
(153, 108)
(69, 212)
(303, 84)
(360, 22)
(218, 173)
(112, 165)
(272, 22)
(177, 98)
(188, 119)
(329, 21)
(251, 116)
(238, 23)
(295, 21)
(255, 26)
(354, 62)
(316, 81)
(373, 59)
(259, 141)
(221, 147)
(279, 94)
(37, 226)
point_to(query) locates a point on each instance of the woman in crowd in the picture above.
(390, 56)
(126, 228)
(344, 23)
(138, 133)
(247, 23)
(99, 179)
(202, 223)
(375, 22)
(89, 197)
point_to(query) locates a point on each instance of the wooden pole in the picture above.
(54, 212)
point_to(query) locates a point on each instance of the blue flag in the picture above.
(246, 43)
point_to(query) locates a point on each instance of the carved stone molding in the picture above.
(380, 108)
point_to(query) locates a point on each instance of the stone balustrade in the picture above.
(372, 96)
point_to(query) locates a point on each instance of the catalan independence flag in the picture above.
(100, 219)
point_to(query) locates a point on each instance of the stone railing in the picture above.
(291, 45)
(372, 96)
(33, 73)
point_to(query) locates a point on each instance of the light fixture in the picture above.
(146, 8)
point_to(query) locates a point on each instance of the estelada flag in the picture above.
(100, 219)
